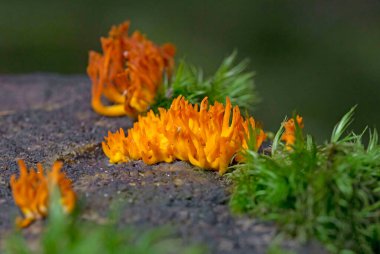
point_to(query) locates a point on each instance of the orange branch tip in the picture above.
(289, 135)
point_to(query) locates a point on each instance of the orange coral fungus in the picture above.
(205, 136)
(128, 73)
(289, 135)
(32, 189)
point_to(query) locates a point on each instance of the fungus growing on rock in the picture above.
(128, 73)
(204, 135)
(32, 190)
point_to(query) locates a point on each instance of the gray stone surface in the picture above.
(44, 117)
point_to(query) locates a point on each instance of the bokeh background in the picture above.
(317, 57)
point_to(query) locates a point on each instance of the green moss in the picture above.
(330, 192)
(231, 79)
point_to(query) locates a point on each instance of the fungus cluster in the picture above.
(204, 135)
(32, 190)
(289, 135)
(128, 73)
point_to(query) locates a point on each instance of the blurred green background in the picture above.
(316, 57)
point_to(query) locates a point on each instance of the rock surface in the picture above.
(45, 117)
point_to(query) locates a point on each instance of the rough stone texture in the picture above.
(48, 117)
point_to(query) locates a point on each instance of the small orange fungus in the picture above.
(128, 73)
(31, 192)
(204, 135)
(290, 129)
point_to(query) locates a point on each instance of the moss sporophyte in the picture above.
(31, 192)
(204, 135)
(128, 73)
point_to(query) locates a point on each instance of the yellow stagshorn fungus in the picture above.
(205, 136)
(128, 73)
(31, 191)
(290, 130)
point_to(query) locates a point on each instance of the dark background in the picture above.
(317, 57)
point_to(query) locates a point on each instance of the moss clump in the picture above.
(330, 192)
